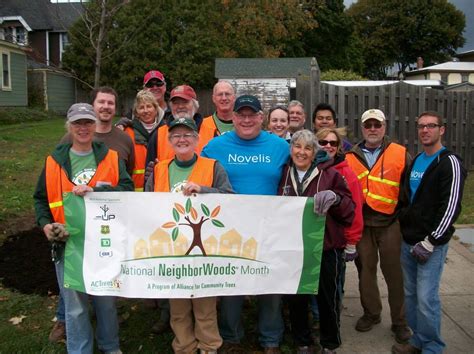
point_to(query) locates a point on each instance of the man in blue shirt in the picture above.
(435, 183)
(254, 161)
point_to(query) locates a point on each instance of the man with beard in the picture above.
(379, 165)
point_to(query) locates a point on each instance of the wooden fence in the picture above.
(402, 103)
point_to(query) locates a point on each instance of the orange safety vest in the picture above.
(381, 184)
(164, 151)
(202, 174)
(58, 183)
(138, 174)
(207, 131)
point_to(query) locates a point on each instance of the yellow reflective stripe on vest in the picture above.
(383, 199)
(138, 189)
(56, 204)
(138, 172)
(363, 174)
(383, 180)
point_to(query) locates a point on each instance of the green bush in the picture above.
(18, 115)
(341, 75)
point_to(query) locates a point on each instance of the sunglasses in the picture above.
(156, 84)
(333, 143)
(376, 125)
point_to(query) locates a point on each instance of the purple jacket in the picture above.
(320, 177)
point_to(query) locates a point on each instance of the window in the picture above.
(20, 35)
(16, 35)
(6, 84)
(63, 37)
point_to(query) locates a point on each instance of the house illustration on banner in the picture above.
(229, 243)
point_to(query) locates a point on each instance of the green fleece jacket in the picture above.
(61, 156)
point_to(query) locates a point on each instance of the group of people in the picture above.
(378, 203)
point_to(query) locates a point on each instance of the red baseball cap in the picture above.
(153, 74)
(184, 91)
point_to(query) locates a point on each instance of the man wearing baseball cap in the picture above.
(254, 161)
(379, 165)
(154, 81)
(183, 104)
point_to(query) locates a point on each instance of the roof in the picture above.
(235, 68)
(42, 14)
(450, 66)
(464, 54)
(427, 83)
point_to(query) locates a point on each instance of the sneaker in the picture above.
(366, 322)
(271, 350)
(405, 348)
(58, 333)
(231, 348)
(161, 327)
(402, 333)
(329, 351)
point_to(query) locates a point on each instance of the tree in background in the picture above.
(399, 31)
(182, 39)
(332, 40)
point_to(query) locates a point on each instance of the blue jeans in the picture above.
(270, 321)
(422, 303)
(78, 325)
(314, 308)
(60, 309)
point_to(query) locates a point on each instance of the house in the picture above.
(275, 81)
(13, 84)
(466, 56)
(39, 24)
(451, 72)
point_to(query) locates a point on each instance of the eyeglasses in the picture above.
(249, 116)
(186, 136)
(376, 125)
(429, 126)
(83, 123)
(333, 143)
(154, 83)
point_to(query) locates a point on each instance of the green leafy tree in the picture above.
(191, 216)
(341, 75)
(332, 40)
(399, 31)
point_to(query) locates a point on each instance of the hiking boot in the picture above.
(402, 333)
(161, 327)
(271, 350)
(405, 348)
(58, 333)
(366, 322)
(231, 348)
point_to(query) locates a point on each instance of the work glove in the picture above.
(60, 232)
(422, 251)
(324, 200)
(350, 253)
(149, 169)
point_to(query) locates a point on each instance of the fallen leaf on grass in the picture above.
(17, 320)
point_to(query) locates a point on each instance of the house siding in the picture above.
(18, 95)
(61, 92)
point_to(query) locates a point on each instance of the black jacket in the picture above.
(437, 202)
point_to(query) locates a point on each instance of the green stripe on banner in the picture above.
(313, 237)
(74, 210)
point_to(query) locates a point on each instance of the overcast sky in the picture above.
(466, 6)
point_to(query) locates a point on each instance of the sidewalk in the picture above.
(457, 298)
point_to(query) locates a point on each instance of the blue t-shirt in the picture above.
(419, 168)
(253, 166)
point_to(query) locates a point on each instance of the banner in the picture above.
(167, 245)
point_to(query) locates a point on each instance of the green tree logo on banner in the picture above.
(190, 214)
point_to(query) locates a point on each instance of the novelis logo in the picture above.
(105, 214)
(248, 159)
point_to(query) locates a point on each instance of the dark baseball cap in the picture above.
(190, 123)
(249, 101)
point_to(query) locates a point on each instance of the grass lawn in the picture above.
(23, 148)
